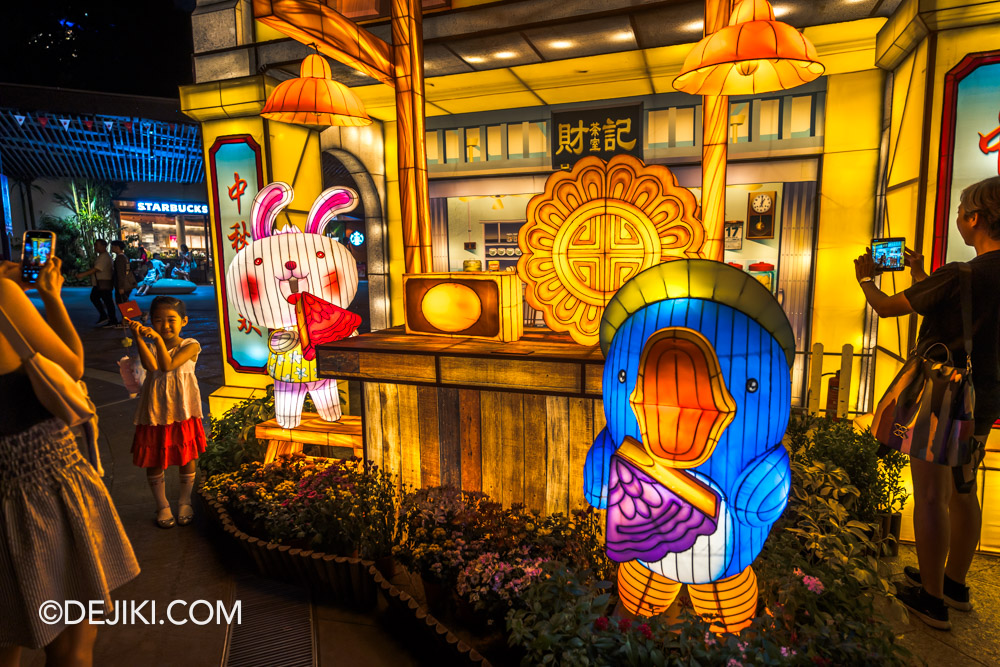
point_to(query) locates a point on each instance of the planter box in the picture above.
(350, 581)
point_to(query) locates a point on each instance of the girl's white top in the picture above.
(170, 396)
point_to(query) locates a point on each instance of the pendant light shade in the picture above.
(753, 54)
(315, 99)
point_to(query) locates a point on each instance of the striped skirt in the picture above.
(60, 536)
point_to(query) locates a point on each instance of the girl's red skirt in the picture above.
(165, 445)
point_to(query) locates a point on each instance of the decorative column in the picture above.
(715, 146)
(408, 60)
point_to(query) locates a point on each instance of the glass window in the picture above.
(538, 141)
(770, 119)
(473, 146)
(494, 142)
(433, 148)
(739, 122)
(451, 151)
(802, 121)
(659, 128)
(515, 141)
(684, 127)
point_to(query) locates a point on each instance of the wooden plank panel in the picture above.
(535, 470)
(373, 423)
(389, 398)
(489, 410)
(413, 367)
(593, 375)
(512, 447)
(449, 428)
(581, 437)
(470, 439)
(599, 420)
(427, 441)
(511, 373)
(557, 454)
(409, 435)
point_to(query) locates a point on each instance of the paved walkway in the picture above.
(195, 562)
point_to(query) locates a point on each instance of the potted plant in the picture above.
(892, 499)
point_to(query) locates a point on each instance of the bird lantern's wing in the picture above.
(761, 491)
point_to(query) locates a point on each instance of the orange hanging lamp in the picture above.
(314, 98)
(753, 54)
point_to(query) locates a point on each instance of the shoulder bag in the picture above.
(927, 411)
(65, 398)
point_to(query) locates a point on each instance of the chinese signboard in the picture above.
(235, 168)
(602, 133)
(970, 146)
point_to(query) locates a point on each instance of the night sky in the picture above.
(138, 47)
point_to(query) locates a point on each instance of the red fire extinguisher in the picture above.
(832, 395)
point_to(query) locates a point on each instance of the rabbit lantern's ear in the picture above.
(266, 206)
(331, 202)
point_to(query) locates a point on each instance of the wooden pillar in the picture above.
(715, 146)
(408, 62)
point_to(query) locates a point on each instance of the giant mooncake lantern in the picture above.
(298, 284)
(690, 466)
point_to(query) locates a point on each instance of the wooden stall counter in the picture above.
(514, 420)
(312, 431)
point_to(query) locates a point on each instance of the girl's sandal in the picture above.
(185, 517)
(165, 522)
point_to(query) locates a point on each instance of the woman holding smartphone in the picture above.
(60, 536)
(946, 513)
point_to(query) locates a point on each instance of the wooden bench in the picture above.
(312, 431)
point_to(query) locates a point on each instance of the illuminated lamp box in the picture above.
(468, 304)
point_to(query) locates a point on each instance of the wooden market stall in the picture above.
(514, 420)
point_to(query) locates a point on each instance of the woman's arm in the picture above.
(183, 355)
(883, 304)
(56, 338)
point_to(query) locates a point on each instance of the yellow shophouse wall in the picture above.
(846, 212)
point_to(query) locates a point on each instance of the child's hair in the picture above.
(170, 303)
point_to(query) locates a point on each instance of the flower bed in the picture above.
(543, 585)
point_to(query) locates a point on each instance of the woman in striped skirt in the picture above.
(60, 536)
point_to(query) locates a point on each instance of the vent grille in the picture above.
(276, 628)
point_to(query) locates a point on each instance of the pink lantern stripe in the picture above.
(266, 206)
(327, 205)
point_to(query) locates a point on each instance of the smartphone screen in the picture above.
(38, 248)
(888, 254)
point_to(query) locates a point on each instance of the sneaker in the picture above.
(112, 325)
(956, 595)
(926, 607)
(101, 323)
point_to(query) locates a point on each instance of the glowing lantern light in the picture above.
(753, 54)
(299, 285)
(451, 307)
(690, 467)
(315, 99)
(595, 227)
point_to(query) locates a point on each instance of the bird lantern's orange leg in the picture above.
(645, 593)
(729, 603)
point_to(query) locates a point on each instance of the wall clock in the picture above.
(760, 215)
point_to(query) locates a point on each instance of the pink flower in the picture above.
(645, 631)
(733, 662)
(787, 652)
(624, 624)
(813, 584)
(709, 639)
(601, 623)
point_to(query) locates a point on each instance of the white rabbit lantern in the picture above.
(298, 284)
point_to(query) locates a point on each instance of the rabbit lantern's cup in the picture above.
(691, 468)
(299, 285)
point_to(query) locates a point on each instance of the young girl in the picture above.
(168, 428)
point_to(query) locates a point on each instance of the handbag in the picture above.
(65, 398)
(927, 411)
